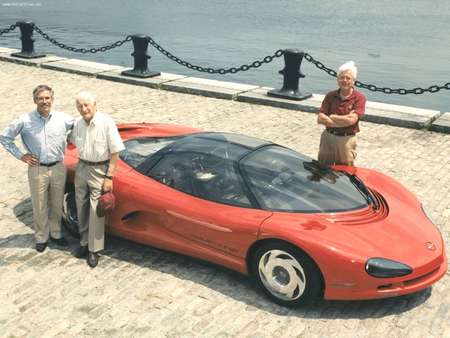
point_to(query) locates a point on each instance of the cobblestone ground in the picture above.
(139, 291)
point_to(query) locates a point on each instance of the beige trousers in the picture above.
(337, 149)
(88, 188)
(47, 185)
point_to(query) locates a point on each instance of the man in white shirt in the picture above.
(98, 143)
(44, 134)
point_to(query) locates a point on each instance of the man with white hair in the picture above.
(98, 143)
(340, 113)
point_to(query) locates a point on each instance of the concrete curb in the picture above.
(376, 112)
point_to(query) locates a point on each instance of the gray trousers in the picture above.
(47, 185)
(88, 188)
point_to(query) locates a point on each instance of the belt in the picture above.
(340, 133)
(94, 163)
(51, 164)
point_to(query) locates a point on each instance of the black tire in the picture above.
(286, 274)
(69, 215)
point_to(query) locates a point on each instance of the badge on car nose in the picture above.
(430, 246)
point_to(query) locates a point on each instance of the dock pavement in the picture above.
(139, 291)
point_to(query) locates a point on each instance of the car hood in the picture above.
(398, 230)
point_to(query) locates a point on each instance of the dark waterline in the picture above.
(398, 44)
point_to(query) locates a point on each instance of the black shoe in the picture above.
(92, 259)
(59, 241)
(82, 251)
(40, 247)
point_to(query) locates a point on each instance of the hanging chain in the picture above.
(7, 30)
(232, 70)
(82, 50)
(373, 88)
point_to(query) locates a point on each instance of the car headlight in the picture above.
(386, 268)
(427, 213)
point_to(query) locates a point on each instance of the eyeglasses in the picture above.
(43, 98)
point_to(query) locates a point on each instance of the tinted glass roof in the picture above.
(232, 146)
(237, 139)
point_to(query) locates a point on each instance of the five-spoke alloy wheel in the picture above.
(286, 274)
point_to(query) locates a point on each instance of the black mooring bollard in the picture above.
(26, 35)
(140, 44)
(291, 73)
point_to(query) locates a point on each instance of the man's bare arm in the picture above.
(344, 120)
(326, 120)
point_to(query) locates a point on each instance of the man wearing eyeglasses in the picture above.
(44, 134)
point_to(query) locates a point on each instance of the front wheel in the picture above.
(286, 274)
(69, 215)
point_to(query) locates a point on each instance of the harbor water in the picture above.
(397, 44)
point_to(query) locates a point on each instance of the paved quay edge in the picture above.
(376, 112)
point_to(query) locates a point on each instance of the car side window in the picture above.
(209, 176)
(138, 151)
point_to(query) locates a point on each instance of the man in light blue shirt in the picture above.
(44, 134)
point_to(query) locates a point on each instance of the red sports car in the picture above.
(301, 230)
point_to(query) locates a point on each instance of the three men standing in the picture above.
(99, 143)
(340, 113)
(44, 134)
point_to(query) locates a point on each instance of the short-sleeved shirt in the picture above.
(333, 104)
(97, 140)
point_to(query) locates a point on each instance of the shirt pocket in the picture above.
(100, 148)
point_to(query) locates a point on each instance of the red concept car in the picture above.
(301, 230)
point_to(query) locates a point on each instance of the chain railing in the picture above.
(7, 30)
(292, 71)
(231, 70)
(374, 88)
(82, 50)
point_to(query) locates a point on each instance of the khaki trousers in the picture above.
(47, 185)
(337, 149)
(88, 188)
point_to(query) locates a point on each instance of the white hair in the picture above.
(349, 65)
(84, 95)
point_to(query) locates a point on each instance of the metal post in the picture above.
(291, 73)
(140, 44)
(26, 35)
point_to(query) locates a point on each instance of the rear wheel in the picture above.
(286, 274)
(69, 216)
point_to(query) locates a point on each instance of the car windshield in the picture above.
(284, 180)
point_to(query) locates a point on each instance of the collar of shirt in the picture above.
(37, 115)
(338, 95)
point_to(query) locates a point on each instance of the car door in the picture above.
(196, 211)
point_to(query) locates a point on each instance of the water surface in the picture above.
(398, 44)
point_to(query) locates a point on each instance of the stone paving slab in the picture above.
(151, 82)
(442, 123)
(4, 50)
(5, 55)
(206, 87)
(259, 96)
(81, 67)
(138, 291)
